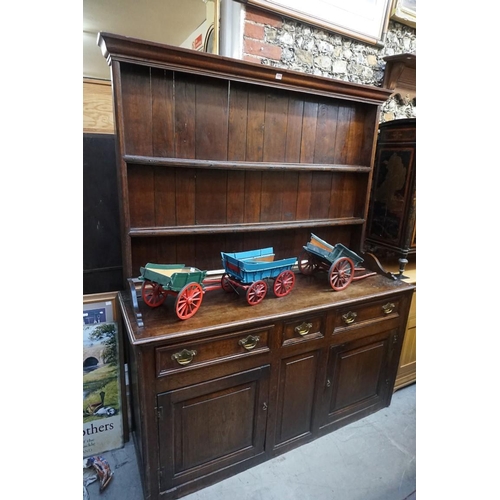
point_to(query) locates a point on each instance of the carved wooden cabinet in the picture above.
(209, 403)
(217, 154)
(391, 224)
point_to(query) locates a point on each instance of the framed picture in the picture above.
(364, 20)
(104, 411)
(405, 12)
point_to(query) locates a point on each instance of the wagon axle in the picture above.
(255, 292)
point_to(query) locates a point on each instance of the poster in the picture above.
(102, 399)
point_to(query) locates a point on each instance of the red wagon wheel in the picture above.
(188, 300)
(307, 264)
(256, 292)
(153, 294)
(224, 282)
(341, 273)
(283, 284)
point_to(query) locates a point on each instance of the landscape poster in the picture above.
(102, 401)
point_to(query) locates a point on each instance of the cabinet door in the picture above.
(357, 380)
(210, 426)
(296, 396)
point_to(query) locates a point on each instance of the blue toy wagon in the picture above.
(251, 270)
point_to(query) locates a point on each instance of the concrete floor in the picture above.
(372, 459)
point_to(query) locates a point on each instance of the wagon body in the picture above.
(340, 262)
(249, 270)
(255, 265)
(325, 251)
(185, 283)
(172, 276)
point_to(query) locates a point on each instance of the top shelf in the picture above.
(240, 165)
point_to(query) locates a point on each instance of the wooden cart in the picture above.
(340, 262)
(187, 284)
(250, 271)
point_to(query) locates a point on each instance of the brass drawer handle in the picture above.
(184, 357)
(388, 308)
(249, 342)
(349, 317)
(304, 328)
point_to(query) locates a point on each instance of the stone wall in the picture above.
(284, 43)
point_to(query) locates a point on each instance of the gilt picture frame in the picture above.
(363, 20)
(404, 12)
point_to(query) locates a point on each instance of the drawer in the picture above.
(303, 329)
(358, 314)
(212, 350)
(400, 135)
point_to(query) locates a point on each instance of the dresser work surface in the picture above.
(220, 310)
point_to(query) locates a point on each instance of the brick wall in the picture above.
(255, 46)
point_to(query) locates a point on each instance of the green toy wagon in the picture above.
(185, 283)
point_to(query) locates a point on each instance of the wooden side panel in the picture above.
(342, 133)
(141, 186)
(185, 113)
(326, 127)
(238, 122)
(275, 127)
(321, 193)
(294, 129)
(236, 150)
(254, 152)
(211, 119)
(290, 181)
(164, 196)
(210, 197)
(308, 136)
(407, 371)
(356, 136)
(162, 95)
(137, 109)
(185, 192)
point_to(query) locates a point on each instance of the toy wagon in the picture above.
(250, 270)
(340, 262)
(186, 283)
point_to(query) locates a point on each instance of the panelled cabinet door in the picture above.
(357, 376)
(296, 399)
(209, 426)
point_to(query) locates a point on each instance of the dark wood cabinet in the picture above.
(391, 227)
(216, 154)
(218, 408)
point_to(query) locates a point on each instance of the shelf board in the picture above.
(240, 228)
(240, 165)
